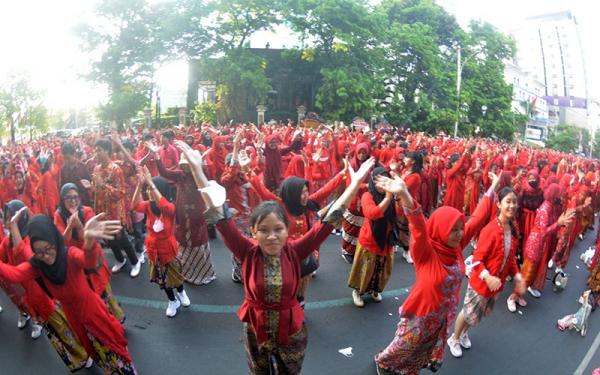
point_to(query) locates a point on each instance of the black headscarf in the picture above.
(11, 209)
(290, 192)
(64, 212)
(41, 228)
(380, 226)
(165, 190)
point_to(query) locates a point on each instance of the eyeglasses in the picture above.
(47, 250)
(71, 197)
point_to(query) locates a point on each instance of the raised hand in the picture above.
(151, 146)
(97, 228)
(394, 186)
(495, 179)
(363, 171)
(244, 159)
(17, 216)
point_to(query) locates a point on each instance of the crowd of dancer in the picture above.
(275, 193)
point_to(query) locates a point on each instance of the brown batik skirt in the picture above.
(286, 359)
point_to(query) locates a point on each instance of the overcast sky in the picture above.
(36, 36)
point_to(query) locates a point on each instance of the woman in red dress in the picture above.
(70, 218)
(61, 270)
(15, 250)
(274, 331)
(494, 260)
(161, 245)
(425, 316)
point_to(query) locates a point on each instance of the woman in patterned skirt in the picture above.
(436, 248)
(374, 258)
(69, 218)
(61, 270)
(274, 331)
(16, 250)
(161, 245)
(494, 260)
(191, 230)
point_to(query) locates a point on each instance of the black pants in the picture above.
(121, 242)
(139, 236)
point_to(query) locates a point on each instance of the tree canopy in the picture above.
(396, 59)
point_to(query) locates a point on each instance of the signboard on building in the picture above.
(534, 133)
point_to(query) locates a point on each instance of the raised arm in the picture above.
(235, 241)
(319, 232)
(420, 247)
(17, 274)
(481, 215)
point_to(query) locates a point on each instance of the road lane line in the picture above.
(588, 356)
(232, 309)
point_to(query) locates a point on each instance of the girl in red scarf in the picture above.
(47, 188)
(493, 260)
(537, 245)
(530, 200)
(564, 244)
(455, 180)
(436, 247)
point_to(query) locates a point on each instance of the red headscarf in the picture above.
(355, 163)
(551, 195)
(439, 227)
(527, 188)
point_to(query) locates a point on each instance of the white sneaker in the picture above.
(558, 270)
(407, 257)
(550, 263)
(511, 304)
(117, 267)
(0, 308)
(534, 292)
(183, 298)
(357, 299)
(465, 341)
(376, 297)
(454, 346)
(36, 331)
(172, 308)
(22, 320)
(142, 257)
(89, 363)
(135, 270)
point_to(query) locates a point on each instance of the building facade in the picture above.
(549, 47)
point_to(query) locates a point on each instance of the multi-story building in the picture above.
(528, 99)
(549, 47)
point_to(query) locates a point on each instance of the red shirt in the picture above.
(99, 275)
(161, 246)
(372, 212)
(252, 310)
(84, 309)
(490, 254)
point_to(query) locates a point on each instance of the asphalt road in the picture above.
(206, 337)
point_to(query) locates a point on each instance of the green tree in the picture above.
(205, 113)
(17, 97)
(420, 86)
(565, 139)
(345, 44)
(125, 102)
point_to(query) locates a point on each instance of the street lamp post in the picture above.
(459, 68)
